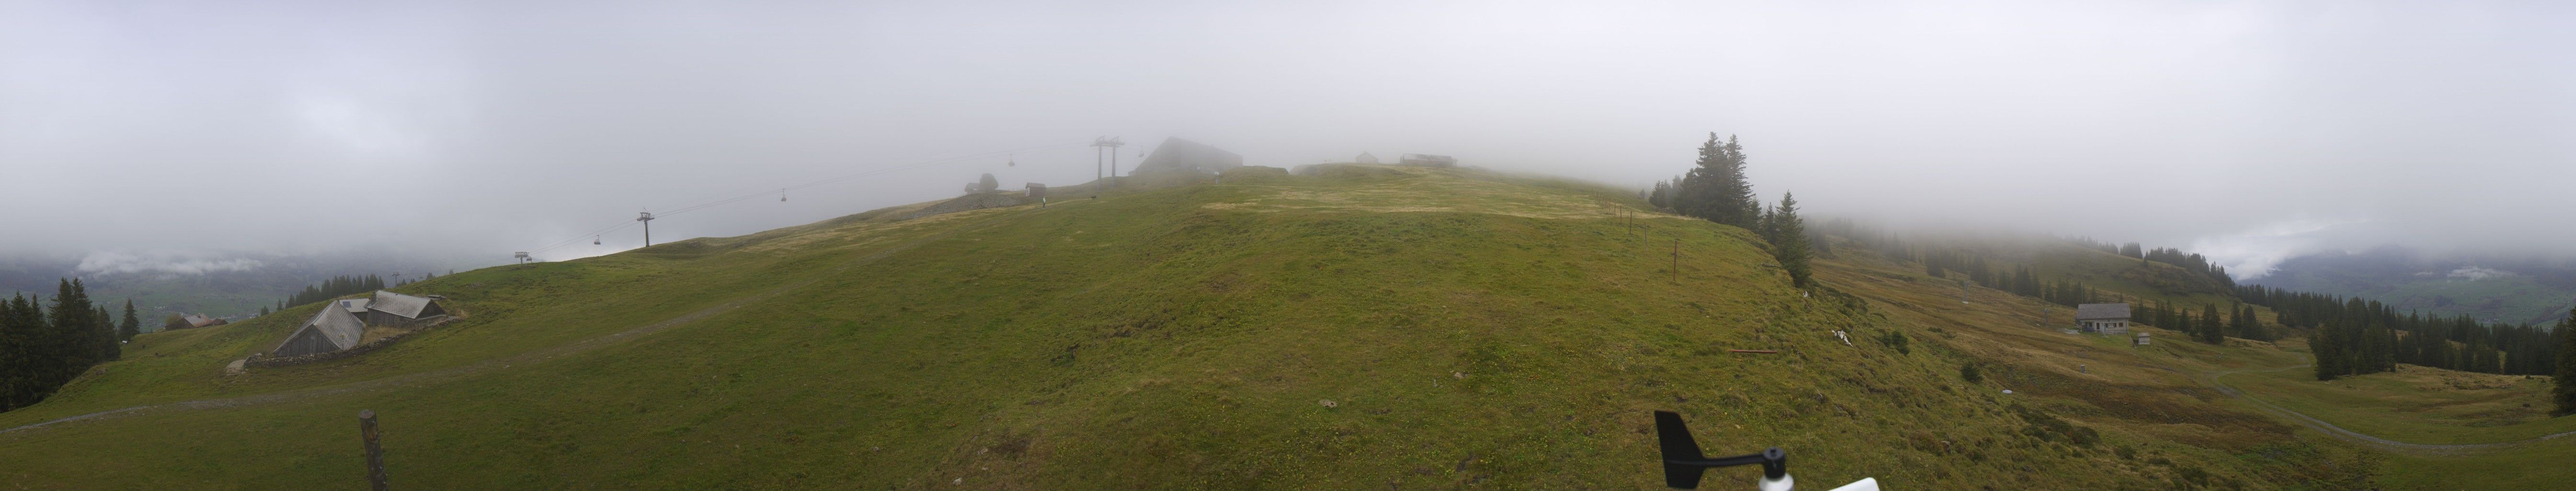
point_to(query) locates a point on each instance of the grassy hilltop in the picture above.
(1375, 327)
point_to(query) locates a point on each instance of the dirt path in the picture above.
(2339, 432)
(538, 355)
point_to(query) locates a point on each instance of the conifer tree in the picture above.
(2328, 349)
(1716, 189)
(1768, 226)
(72, 348)
(15, 355)
(1792, 249)
(1735, 186)
(128, 328)
(2253, 327)
(2211, 331)
(2376, 350)
(1698, 192)
(103, 336)
(2565, 378)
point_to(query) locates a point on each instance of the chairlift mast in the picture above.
(1111, 143)
(647, 218)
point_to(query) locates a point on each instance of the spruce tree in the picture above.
(1768, 226)
(2565, 378)
(1792, 249)
(2328, 351)
(71, 346)
(2253, 328)
(15, 357)
(128, 328)
(2182, 322)
(2211, 331)
(1697, 197)
(103, 336)
(1734, 186)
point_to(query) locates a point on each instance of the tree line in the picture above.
(44, 346)
(2207, 326)
(336, 287)
(2210, 323)
(2355, 336)
(1716, 189)
(2349, 336)
(2564, 392)
(2193, 262)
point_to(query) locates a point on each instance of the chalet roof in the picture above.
(336, 325)
(198, 320)
(405, 306)
(355, 305)
(2099, 311)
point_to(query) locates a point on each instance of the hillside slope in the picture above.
(1366, 327)
(2511, 291)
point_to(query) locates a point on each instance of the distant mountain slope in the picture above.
(2512, 291)
(238, 289)
(1365, 327)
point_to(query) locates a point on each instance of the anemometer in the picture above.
(1683, 462)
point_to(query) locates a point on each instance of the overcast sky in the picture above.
(2247, 130)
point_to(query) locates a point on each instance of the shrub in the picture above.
(1968, 371)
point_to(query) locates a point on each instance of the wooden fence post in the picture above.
(375, 452)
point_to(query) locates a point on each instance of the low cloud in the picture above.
(2474, 273)
(162, 263)
(2256, 253)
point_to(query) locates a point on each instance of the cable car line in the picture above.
(782, 192)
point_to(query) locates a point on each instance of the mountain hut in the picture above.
(332, 329)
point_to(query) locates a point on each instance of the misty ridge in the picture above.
(2253, 133)
(1322, 245)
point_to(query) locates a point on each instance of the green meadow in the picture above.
(1366, 327)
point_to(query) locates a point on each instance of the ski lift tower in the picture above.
(647, 218)
(521, 256)
(1111, 143)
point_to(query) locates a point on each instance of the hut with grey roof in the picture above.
(2105, 318)
(332, 329)
(399, 310)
